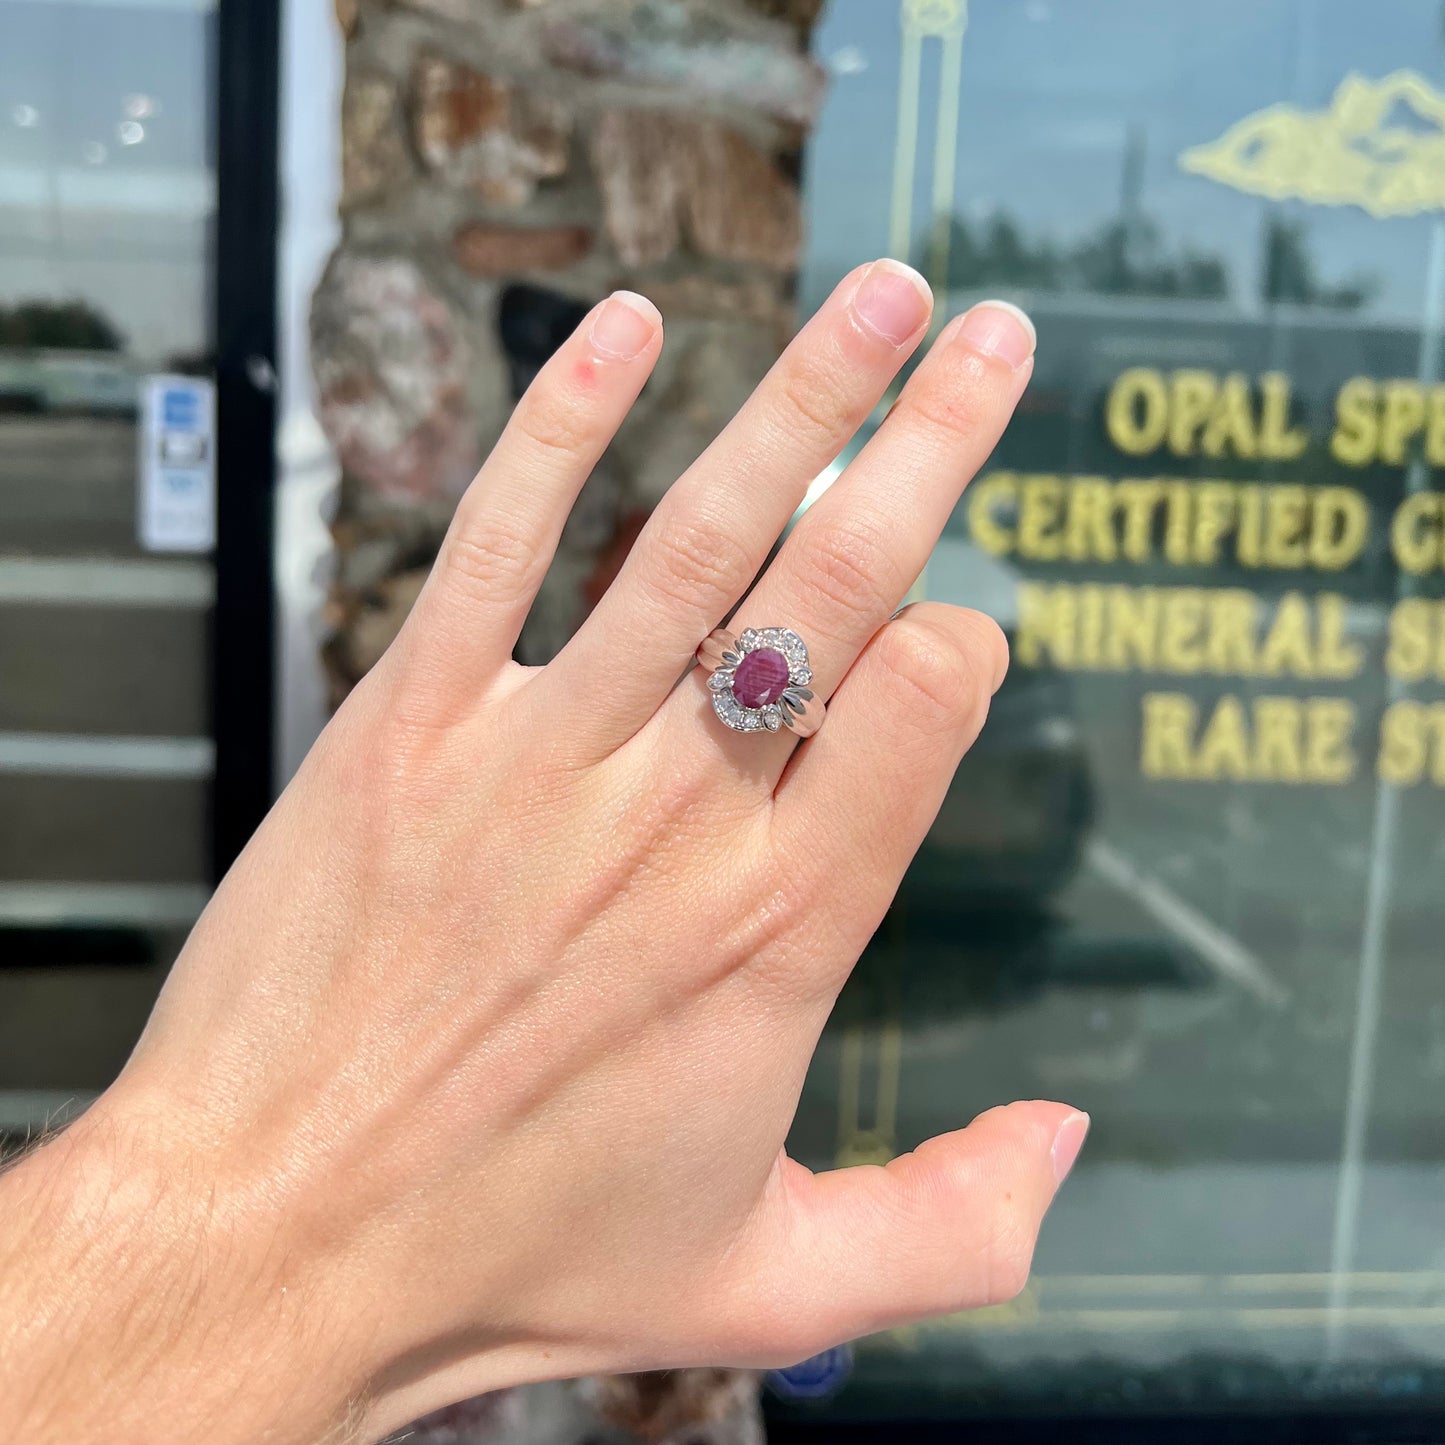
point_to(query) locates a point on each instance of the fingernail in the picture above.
(623, 327)
(1067, 1143)
(997, 328)
(893, 301)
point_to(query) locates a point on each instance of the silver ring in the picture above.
(759, 681)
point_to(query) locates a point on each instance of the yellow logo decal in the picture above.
(1379, 145)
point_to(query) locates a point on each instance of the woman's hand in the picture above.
(479, 1067)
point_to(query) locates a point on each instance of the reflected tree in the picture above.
(1128, 256)
(1124, 257)
(1290, 274)
(61, 325)
(1130, 259)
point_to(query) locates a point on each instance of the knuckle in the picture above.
(960, 401)
(384, 755)
(931, 666)
(490, 557)
(815, 405)
(551, 425)
(846, 564)
(693, 562)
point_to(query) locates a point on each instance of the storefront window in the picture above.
(106, 204)
(1189, 878)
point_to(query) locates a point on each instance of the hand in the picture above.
(479, 1067)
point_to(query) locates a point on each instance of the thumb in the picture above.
(950, 1226)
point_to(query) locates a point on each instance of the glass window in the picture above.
(106, 205)
(1189, 877)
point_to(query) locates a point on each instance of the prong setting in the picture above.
(789, 710)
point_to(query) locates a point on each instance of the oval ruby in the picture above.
(760, 677)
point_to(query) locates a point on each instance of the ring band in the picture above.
(759, 681)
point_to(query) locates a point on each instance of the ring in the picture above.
(760, 680)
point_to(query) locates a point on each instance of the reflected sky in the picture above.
(106, 188)
(105, 136)
(1051, 92)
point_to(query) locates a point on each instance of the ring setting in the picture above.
(759, 680)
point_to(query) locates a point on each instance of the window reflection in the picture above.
(106, 205)
(1228, 950)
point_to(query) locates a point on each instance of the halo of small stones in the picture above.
(796, 696)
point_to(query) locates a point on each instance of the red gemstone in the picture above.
(760, 678)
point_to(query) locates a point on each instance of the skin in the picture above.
(478, 1068)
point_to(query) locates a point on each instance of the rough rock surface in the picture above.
(373, 154)
(666, 176)
(391, 363)
(484, 134)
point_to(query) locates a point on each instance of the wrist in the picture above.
(145, 1300)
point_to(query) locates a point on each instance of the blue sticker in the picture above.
(815, 1378)
(181, 409)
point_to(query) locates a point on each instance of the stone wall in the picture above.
(506, 164)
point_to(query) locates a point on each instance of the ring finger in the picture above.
(854, 556)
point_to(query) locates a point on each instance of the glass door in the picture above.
(1190, 876)
(107, 579)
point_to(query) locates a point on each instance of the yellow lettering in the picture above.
(1415, 532)
(1403, 753)
(1278, 441)
(1224, 748)
(1251, 511)
(1089, 534)
(1233, 621)
(1277, 740)
(1137, 412)
(1435, 428)
(1213, 518)
(1191, 400)
(986, 498)
(1168, 728)
(1341, 524)
(1176, 523)
(1337, 656)
(1046, 625)
(1133, 627)
(1181, 640)
(1287, 646)
(1356, 433)
(1284, 541)
(1416, 647)
(1402, 421)
(1277, 728)
(1329, 724)
(1039, 508)
(1231, 427)
(1138, 499)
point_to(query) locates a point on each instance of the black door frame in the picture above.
(243, 655)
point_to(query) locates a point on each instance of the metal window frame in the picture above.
(1289, 1424)
(243, 653)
